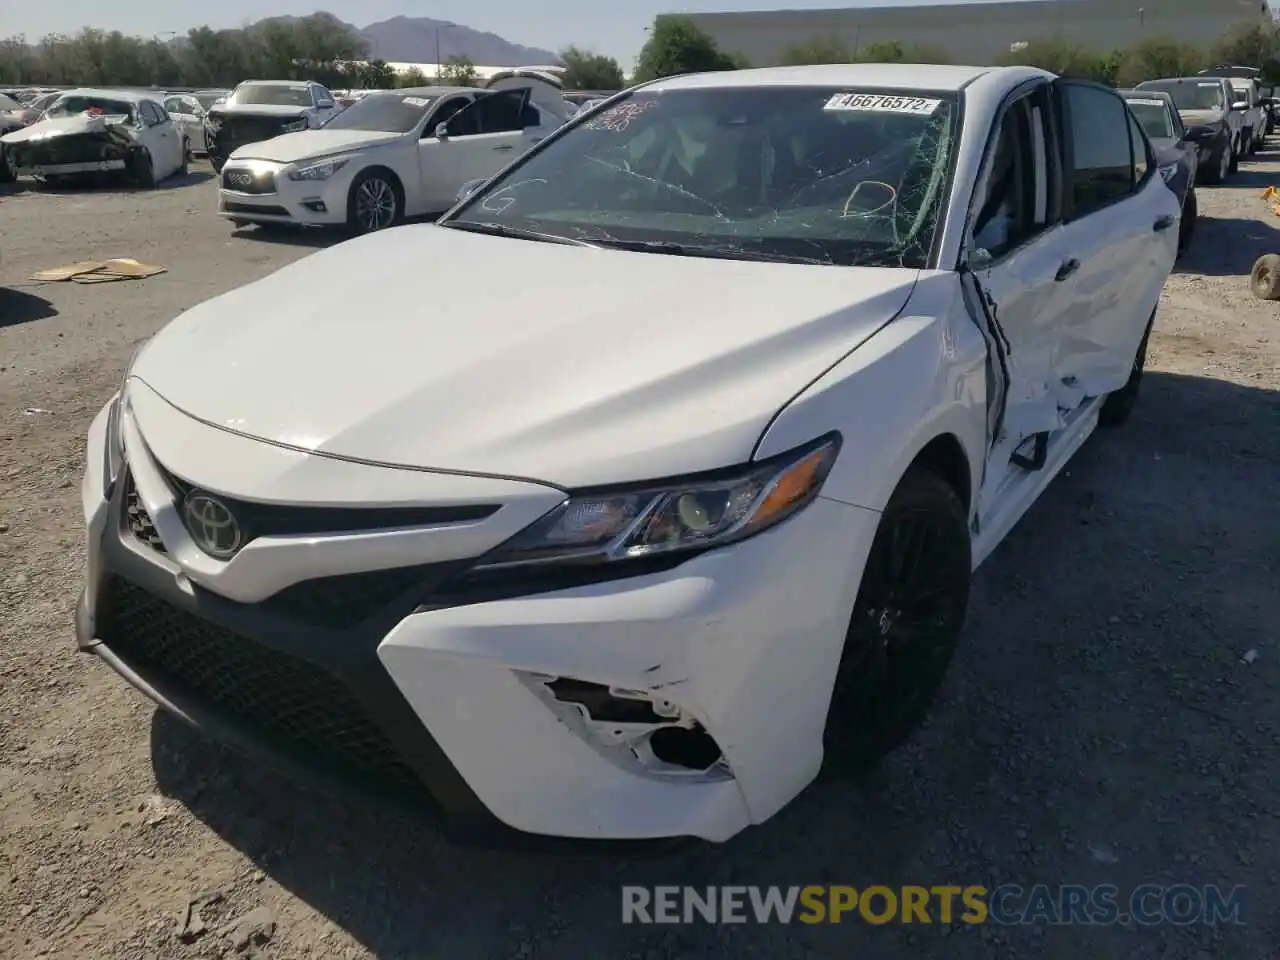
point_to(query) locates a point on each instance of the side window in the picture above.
(1102, 158)
(151, 114)
(1013, 206)
(530, 116)
(499, 112)
(448, 112)
(1179, 130)
(1138, 147)
(174, 105)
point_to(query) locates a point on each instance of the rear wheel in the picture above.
(142, 170)
(6, 167)
(905, 624)
(1236, 147)
(1119, 404)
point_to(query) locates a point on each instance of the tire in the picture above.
(1264, 278)
(905, 624)
(1246, 142)
(186, 159)
(375, 202)
(1219, 165)
(1187, 228)
(6, 168)
(217, 163)
(1235, 156)
(1120, 403)
(142, 170)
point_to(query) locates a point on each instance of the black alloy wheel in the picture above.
(905, 626)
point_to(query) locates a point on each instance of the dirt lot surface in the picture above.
(1105, 722)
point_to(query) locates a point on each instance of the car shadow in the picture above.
(1228, 247)
(18, 307)
(16, 187)
(1072, 651)
(288, 235)
(191, 179)
(1251, 178)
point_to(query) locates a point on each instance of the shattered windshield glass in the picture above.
(73, 105)
(272, 94)
(814, 174)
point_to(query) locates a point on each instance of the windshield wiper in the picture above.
(709, 251)
(516, 233)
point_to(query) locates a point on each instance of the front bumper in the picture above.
(271, 197)
(441, 698)
(70, 169)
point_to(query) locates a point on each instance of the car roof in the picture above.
(1196, 79)
(433, 91)
(278, 83)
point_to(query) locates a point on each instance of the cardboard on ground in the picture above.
(98, 271)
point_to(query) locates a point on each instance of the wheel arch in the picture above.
(945, 457)
(394, 178)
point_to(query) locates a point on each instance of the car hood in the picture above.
(257, 110)
(1202, 117)
(61, 127)
(433, 348)
(312, 144)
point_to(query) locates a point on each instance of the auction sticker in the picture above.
(416, 101)
(1147, 103)
(880, 103)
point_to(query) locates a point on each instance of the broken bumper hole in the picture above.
(657, 733)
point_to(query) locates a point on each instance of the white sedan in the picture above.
(390, 155)
(635, 557)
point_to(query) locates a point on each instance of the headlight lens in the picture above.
(212, 124)
(319, 171)
(295, 126)
(692, 515)
(1168, 171)
(114, 447)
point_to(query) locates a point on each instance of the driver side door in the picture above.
(482, 138)
(441, 161)
(162, 138)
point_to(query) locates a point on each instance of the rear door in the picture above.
(1121, 224)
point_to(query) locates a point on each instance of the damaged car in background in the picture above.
(636, 559)
(91, 134)
(258, 110)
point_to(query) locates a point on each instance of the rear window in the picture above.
(1153, 116)
(1191, 94)
(72, 105)
(8, 103)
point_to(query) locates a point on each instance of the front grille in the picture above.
(344, 601)
(289, 701)
(137, 519)
(258, 182)
(243, 130)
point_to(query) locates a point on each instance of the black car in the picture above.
(1178, 150)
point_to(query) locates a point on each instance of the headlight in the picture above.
(295, 126)
(680, 515)
(319, 171)
(113, 453)
(212, 124)
(1169, 171)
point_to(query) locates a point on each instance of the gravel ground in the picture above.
(1099, 725)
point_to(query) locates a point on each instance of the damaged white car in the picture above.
(634, 558)
(88, 134)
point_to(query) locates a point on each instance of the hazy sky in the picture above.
(613, 27)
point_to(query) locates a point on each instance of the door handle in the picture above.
(505, 146)
(1067, 269)
(1164, 223)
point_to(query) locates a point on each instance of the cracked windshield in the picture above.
(796, 174)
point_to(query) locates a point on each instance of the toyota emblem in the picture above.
(212, 526)
(241, 179)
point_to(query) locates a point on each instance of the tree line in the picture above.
(320, 47)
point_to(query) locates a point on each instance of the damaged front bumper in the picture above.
(683, 703)
(103, 149)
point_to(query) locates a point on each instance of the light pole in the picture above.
(439, 66)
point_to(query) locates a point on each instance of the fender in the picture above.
(921, 377)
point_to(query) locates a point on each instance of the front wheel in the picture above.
(141, 168)
(905, 625)
(374, 203)
(1236, 148)
(6, 167)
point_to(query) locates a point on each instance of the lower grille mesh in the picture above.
(290, 701)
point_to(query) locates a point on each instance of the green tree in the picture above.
(816, 51)
(459, 71)
(1058, 56)
(1247, 45)
(585, 70)
(678, 45)
(413, 77)
(1155, 57)
(894, 51)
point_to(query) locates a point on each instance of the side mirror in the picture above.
(1200, 133)
(442, 131)
(1240, 105)
(468, 188)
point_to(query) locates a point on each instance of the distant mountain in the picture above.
(413, 40)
